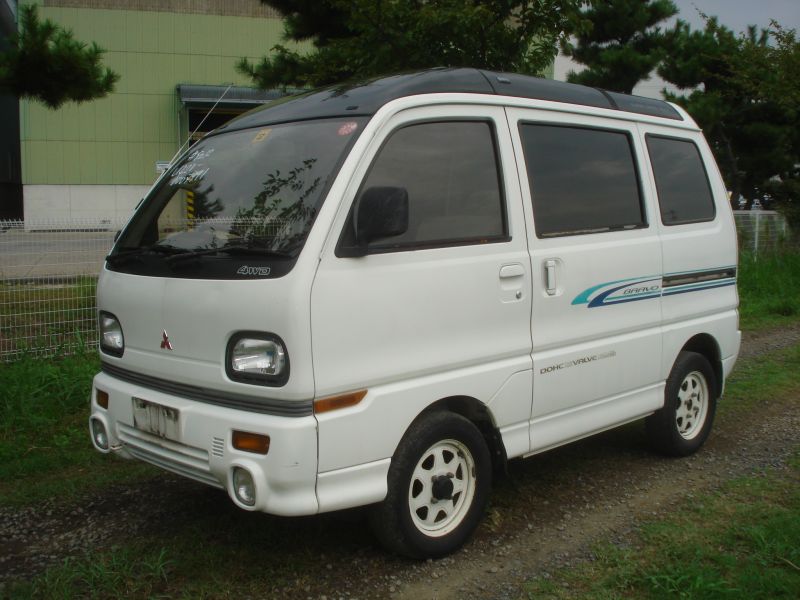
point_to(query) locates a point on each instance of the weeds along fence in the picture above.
(48, 278)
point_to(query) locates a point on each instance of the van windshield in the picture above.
(245, 198)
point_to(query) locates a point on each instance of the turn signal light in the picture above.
(336, 402)
(102, 399)
(251, 442)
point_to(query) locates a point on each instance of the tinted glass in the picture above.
(684, 194)
(450, 173)
(241, 199)
(582, 180)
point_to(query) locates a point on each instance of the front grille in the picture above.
(172, 456)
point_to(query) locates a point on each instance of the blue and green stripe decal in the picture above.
(655, 286)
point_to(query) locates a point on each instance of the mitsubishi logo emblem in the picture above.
(165, 343)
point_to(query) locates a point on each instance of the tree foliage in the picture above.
(365, 38)
(744, 92)
(46, 63)
(623, 44)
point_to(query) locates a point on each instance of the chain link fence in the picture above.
(761, 230)
(48, 278)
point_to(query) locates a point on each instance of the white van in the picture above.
(377, 294)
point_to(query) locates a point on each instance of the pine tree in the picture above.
(365, 38)
(623, 44)
(46, 63)
(743, 90)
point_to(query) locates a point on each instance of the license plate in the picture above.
(155, 418)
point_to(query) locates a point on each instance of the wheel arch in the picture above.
(479, 415)
(705, 345)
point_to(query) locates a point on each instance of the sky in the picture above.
(734, 14)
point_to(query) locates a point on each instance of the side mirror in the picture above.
(381, 212)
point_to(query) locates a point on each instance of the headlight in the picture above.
(111, 339)
(259, 358)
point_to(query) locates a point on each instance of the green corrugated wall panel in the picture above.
(149, 21)
(72, 157)
(54, 125)
(150, 110)
(118, 139)
(103, 120)
(119, 164)
(119, 122)
(86, 122)
(54, 159)
(37, 169)
(103, 163)
(197, 68)
(134, 72)
(88, 171)
(115, 21)
(135, 118)
(24, 154)
(133, 33)
(136, 164)
(182, 33)
(167, 119)
(71, 120)
(166, 33)
(103, 34)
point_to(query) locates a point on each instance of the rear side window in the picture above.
(450, 171)
(684, 193)
(582, 180)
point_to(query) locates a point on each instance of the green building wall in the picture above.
(118, 139)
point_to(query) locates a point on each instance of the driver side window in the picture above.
(450, 171)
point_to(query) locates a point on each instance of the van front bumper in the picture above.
(199, 446)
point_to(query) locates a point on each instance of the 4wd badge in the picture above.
(245, 270)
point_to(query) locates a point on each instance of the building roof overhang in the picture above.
(206, 96)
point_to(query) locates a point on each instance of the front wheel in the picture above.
(690, 400)
(438, 483)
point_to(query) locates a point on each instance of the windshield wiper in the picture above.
(232, 249)
(125, 255)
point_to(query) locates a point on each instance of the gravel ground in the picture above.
(546, 513)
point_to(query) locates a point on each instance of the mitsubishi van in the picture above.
(378, 293)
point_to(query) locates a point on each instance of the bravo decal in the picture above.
(617, 292)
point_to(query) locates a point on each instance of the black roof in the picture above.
(366, 97)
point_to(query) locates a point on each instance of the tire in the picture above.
(439, 483)
(690, 400)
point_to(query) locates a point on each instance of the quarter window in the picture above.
(684, 194)
(582, 180)
(450, 171)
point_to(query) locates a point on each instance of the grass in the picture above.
(740, 542)
(217, 550)
(736, 540)
(45, 449)
(769, 289)
(116, 574)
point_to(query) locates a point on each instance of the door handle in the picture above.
(550, 277)
(509, 271)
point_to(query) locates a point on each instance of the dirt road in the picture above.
(547, 512)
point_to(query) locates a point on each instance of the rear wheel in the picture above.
(439, 483)
(690, 401)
